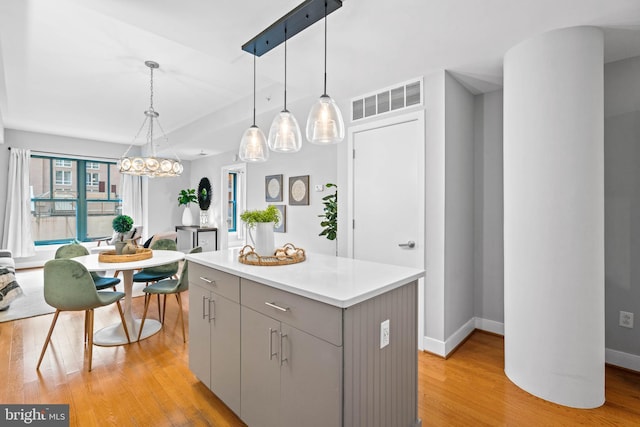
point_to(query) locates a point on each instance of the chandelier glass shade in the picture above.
(324, 124)
(284, 134)
(253, 145)
(150, 165)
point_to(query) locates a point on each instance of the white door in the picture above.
(386, 194)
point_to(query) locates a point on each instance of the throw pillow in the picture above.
(9, 288)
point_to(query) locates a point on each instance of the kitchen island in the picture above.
(330, 341)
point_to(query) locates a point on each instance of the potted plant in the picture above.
(264, 221)
(330, 215)
(121, 224)
(186, 197)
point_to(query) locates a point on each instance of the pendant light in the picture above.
(151, 165)
(284, 134)
(324, 124)
(253, 145)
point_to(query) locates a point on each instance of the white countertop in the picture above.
(341, 282)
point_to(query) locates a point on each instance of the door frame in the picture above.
(419, 117)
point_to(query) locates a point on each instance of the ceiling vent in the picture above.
(393, 98)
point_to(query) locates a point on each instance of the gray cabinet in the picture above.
(289, 377)
(278, 359)
(214, 331)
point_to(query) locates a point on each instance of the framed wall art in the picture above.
(273, 188)
(281, 226)
(299, 190)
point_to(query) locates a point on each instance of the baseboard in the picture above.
(434, 346)
(459, 336)
(622, 360)
(490, 326)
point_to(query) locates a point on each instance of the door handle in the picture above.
(204, 313)
(271, 353)
(282, 358)
(410, 244)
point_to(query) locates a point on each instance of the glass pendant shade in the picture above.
(325, 124)
(253, 146)
(284, 134)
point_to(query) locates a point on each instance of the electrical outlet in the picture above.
(626, 319)
(319, 187)
(384, 334)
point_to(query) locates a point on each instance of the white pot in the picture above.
(264, 243)
(187, 216)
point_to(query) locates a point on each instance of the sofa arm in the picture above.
(6, 253)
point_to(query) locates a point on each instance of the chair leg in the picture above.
(144, 316)
(90, 312)
(160, 315)
(46, 342)
(86, 327)
(124, 322)
(179, 298)
(164, 307)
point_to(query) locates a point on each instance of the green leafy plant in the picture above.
(270, 214)
(187, 196)
(330, 215)
(122, 223)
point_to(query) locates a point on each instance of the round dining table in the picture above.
(114, 334)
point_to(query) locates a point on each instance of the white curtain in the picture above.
(17, 217)
(132, 195)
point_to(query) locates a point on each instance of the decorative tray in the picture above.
(288, 254)
(111, 256)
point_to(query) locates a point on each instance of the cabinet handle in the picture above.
(204, 314)
(212, 301)
(282, 358)
(276, 306)
(208, 280)
(271, 353)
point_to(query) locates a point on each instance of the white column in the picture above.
(554, 216)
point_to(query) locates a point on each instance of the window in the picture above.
(64, 208)
(233, 202)
(93, 178)
(63, 177)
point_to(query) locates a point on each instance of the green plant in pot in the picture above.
(121, 224)
(263, 222)
(185, 198)
(330, 216)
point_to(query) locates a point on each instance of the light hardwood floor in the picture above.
(149, 383)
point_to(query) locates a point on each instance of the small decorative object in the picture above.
(121, 224)
(299, 190)
(112, 256)
(129, 248)
(204, 200)
(185, 198)
(273, 188)
(281, 225)
(263, 221)
(288, 254)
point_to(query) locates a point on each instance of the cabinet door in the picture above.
(311, 381)
(225, 350)
(260, 366)
(199, 333)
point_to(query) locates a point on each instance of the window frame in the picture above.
(81, 201)
(234, 201)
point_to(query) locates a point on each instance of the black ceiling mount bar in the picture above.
(304, 15)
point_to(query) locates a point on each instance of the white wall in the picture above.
(488, 209)
(622, 205)
(459, 207)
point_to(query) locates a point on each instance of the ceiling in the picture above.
(76, 67)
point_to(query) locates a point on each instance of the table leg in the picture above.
(114, 334)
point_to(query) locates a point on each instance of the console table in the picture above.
(195, 232)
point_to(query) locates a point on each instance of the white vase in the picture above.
(187, 216)
(264, 243)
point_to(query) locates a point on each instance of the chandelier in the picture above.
(151, 165)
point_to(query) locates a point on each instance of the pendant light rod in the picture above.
(325, 49)
(285, 68)
(304, 15)
(254, 90)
